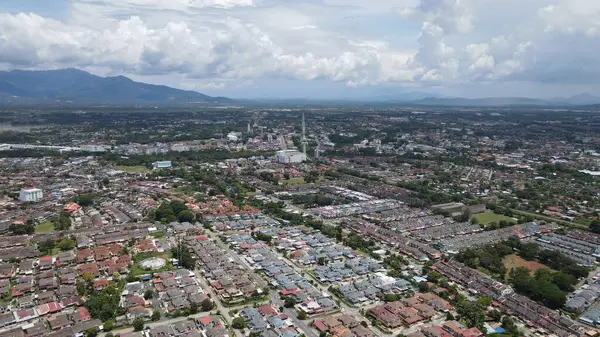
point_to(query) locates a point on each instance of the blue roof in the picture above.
(500, 330)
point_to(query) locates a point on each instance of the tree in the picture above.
(238, 323)
(46, 246)
(155, 315)
(321, 261)
(108, 325)
(91, 332)
(206, 305)
(66, 244)
(102, 304)
(138, 324)
(289, 302)
(186, 216)
(529, 251)
(494, 315)
(84, 200)
(21, 229)
(472, 313)
(178, 207)
(594, 226)
(302, 315)
(193, 309)
(185, 260)
(509, 326)
(148, 294)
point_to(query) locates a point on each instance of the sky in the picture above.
(322, 49)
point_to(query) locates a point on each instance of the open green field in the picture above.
(131, 169)
(292, 181)
(488, 217)
(45, 227)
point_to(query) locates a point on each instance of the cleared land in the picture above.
(488, 217)
(131, 169)
(514, 261)
(45, 227)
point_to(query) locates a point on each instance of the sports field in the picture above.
(486, 218)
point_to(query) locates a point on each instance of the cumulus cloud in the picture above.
(216, 41)
(236, 50)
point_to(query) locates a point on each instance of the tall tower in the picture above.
(304, 141)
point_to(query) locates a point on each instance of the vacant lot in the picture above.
(131, 169)
(514, 261)
(486, 218)
(44, 227)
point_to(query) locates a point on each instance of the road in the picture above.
(282, 142)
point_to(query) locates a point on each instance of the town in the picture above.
(299, 222)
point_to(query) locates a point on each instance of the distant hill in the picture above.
(78, 86)
(578, 100)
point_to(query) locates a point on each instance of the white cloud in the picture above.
(214, 42)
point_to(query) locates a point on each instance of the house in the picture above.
(473, 332)
(58, 321)
(89, 269)
(81, 314)
(26, 267)
(45, 263)
(100, 284)
(48, 308)
(138, 312)
(65, 259)
(84, 256)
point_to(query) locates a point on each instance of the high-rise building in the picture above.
(31, 195)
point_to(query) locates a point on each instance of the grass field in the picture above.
(486, 218)
(292, 181)
(131, 169)
(44, 227)
(514, 261)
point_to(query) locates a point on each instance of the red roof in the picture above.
(201, 237)
(84, 313)
(320, 325)
(473, 332)
(267, 310)
(288, 291)
(46, 258)
(205, 320)
(48, 308)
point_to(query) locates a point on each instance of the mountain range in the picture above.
(80, 87)
(77, 86)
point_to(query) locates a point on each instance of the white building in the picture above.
(163, 164)
(290, 156)
(31, 195)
